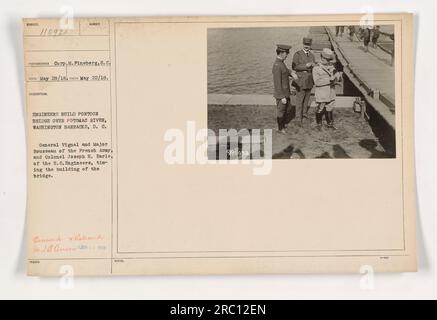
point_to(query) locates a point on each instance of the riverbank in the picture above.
(353, 138)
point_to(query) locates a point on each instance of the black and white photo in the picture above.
(323, 91)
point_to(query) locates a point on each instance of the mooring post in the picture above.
(363, 108)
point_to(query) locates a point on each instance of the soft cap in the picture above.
(327, 54)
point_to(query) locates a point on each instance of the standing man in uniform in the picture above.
(375, 36)
(326, 77)
(351, 32)
(339, 31)
(281, 84)
(366, 33)
(392, 37)
(303, 62)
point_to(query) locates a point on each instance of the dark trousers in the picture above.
(303, 101)
(282, 112)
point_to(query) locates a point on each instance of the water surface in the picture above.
(240, 59)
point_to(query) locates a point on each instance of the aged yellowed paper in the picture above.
(125, 178)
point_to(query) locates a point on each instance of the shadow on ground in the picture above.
(353, 138)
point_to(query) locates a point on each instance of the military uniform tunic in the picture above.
(281, 85)
(325, 79)
(281, 80)
(300, 59)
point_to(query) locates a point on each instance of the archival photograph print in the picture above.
(316, 92)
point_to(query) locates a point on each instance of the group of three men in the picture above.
(305, 74)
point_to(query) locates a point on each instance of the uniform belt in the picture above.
(325, 85)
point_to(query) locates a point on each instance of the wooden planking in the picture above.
(265, 100)
(371, 68)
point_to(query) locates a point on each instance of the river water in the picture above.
(240, 59)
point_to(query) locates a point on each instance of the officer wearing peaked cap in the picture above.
(281, 84)
(303, 62)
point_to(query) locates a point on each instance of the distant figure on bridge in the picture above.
(351, 32)
(281, 83)
(303, 62)
(375, 36)
(365, 35)
(392, 37)
(339, 31)
(325, 78)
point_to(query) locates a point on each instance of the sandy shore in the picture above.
(352, 139)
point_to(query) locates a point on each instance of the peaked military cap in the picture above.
(307, 41)
(283, 47)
